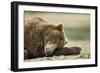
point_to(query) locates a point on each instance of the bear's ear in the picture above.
(59, 27)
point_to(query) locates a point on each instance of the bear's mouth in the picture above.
(48, 54)
(49, 49)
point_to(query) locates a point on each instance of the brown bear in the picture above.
(43, 39)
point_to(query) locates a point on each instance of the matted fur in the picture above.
(36, 37)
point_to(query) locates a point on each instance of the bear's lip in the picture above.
(48, 54)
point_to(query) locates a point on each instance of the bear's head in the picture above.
(53, 39)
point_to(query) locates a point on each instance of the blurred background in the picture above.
(76, 28)
(76, 25)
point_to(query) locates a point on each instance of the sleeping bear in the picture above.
(45, 39)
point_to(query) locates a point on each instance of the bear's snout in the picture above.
(49, 49)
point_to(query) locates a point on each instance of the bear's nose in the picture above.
(49, 49)
(48, 54)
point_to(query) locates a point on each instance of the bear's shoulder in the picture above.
(35, 20)
(38, 20)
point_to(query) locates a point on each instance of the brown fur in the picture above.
(37, 33)
(61, 51)
(67, 51)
